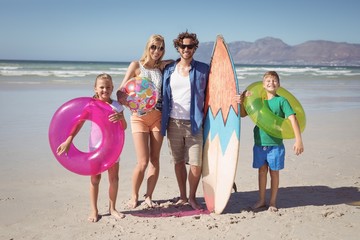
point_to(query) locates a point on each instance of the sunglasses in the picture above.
(183, 46)
(153, 47)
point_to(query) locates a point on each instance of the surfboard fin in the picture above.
(234, 187)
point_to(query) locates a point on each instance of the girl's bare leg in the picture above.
(94, 192)
(113, 174)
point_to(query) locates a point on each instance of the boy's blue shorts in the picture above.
(274, 156)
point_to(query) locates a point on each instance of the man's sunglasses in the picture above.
(183, 46)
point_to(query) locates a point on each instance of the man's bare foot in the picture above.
(272, 209)
(94, 217)
(194, 204)
(259, 205)
(133, 203)
(116, 214)
(180, 201)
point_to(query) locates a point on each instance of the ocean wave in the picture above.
(7, 68)
(321, 72)
(66, 70)
(59, 69)
(56, 73)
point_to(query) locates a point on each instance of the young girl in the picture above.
(103, 89)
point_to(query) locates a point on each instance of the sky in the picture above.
(116, 30)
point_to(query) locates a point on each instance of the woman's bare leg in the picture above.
(156, 140)
(141, 142)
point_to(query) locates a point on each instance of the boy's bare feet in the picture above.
(272, 209)
(259, 205)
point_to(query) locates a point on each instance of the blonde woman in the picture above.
(146, 128)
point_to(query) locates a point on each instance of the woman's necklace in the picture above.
(149, 65)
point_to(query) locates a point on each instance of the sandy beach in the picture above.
(319, 194)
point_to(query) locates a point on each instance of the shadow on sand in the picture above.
(168, 209)
(290, 197)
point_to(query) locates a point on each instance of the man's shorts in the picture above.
(150, 122)
(274, 156)
(184, 146)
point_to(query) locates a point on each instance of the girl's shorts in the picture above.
(150, 122)
(184, 146)
(274, 156)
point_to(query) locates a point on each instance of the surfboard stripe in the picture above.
(224, 130)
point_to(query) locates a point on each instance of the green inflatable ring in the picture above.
(261, 115)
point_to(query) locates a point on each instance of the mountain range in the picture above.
(273, 51)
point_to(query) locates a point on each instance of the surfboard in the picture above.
(221, 129)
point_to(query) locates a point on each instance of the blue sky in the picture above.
(115, 30)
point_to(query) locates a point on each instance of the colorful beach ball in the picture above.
(142, 94)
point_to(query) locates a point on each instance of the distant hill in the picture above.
(273, 51)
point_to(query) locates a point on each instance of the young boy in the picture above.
(269, 151)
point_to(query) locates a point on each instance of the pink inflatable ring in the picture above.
(108, 151)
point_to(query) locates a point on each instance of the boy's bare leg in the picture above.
(262, 178)
(275, 179)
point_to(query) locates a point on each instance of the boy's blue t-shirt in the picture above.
(280, 107)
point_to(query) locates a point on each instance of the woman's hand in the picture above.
(121, 97)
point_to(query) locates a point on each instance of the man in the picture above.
(184, 86)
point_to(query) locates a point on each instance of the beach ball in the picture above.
(141, 94)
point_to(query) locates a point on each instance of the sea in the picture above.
(326, 87)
